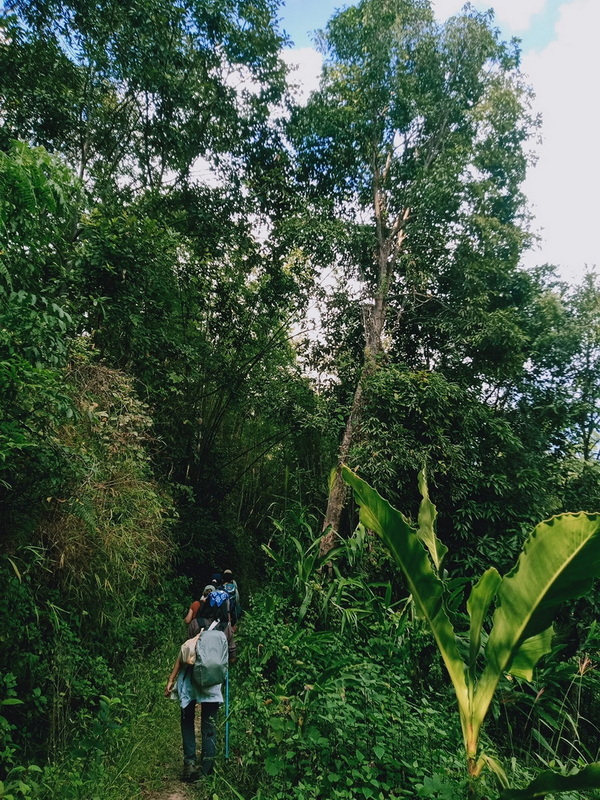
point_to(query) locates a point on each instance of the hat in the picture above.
(227, 572)
(208, 589)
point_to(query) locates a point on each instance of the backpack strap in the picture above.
(212, 625)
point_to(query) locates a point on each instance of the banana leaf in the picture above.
(552, 783)
(559, 562)
(424, 585)
(426, 519)
(478, 605)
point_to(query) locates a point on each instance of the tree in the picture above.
(40, 202)
(561, 386)
(132, 88)
(581, 373)
(415, 141)
(171, 283)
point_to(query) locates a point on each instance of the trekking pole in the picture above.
(227, 715)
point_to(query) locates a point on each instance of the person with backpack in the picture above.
(196, 611)
(217, 580)
(231, 587)
(199, 671)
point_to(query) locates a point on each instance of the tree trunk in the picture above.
(373, 321)
(337, 492)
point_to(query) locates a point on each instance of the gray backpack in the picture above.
(212, 659)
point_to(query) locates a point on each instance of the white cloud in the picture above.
(563, 187)
(306, 65)
(446, 8)
(516, 14)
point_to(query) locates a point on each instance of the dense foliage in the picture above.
(207, 296)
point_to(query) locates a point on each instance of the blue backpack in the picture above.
(217, 598)
(231, 590)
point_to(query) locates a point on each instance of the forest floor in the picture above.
(174, 792)
(175, 789)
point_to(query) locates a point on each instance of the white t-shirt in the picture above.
(187, 691)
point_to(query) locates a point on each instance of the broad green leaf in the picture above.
(425, 586)
(478, 604)
(558, 563)
(305, 603)
(549, 782)
(529, 654)
(273, 766)
(426, 519)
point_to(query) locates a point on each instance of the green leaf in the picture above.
(530, 653)
(478, 604)
(550, 782)
(15, 568)
(273, 765)
(496, 767)
(558, 563)
(426, 519)
(305, 603)
(425, 586)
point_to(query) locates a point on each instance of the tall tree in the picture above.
(142, 98)
(40, 203)
(561, 387)
(138, 89)
(415, 140)
(584, 368)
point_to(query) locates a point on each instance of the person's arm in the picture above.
(193, 612)
(173, 677)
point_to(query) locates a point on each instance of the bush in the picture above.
(318, 714)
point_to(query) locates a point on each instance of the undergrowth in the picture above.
(321, 714)
(124, 746)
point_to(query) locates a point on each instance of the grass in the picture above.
(132, 748)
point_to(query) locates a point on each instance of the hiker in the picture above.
(231, 587)
(196, 610)
(190, 693)
(217, 580)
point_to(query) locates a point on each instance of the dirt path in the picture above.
(173, 787)
(176, 794)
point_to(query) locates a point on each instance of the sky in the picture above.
(561, 58)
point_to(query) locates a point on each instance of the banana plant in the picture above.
(559, 562)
